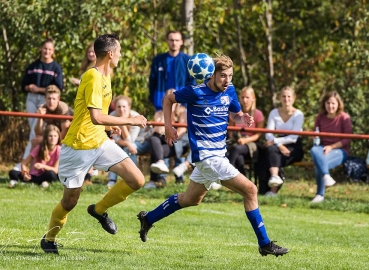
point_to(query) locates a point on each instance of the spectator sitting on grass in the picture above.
(43, 161)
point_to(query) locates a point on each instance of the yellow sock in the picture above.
(118, 193)
(57, 221)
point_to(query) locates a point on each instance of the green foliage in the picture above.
(318, 46)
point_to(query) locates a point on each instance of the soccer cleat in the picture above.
(145, 227)
(49, 247)
(106, 222)
(272, 249)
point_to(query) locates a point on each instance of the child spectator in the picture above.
(43, 161)
(280, 150)
(244, 144)
(331, 152)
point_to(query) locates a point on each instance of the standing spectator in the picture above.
(280, 150)
(169, 70)
(129, 134)
(43, 161)
(245, 147)
(89, 60)
(40, 74)
(53, 105)
(331, 152)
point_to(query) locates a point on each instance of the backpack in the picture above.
(355, 168)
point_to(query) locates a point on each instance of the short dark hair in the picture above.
(105, 43)
(174, 32)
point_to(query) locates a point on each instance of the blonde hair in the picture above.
(249, 89)
(121, 97)
(222, 62)
(52, 89)
(288, 88)
(43, 152)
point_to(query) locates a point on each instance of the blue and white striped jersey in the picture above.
(207, 118)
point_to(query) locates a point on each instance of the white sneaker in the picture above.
(150, 185)
(180, 169)
(159, 168)
(45, 184)
(12, 183)
(270, 194)
(275, 181)
(216, 186)
(110, 184)
(17, 167)
(328, 180)
(318, 198)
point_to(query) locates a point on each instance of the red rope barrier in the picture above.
(232, 128)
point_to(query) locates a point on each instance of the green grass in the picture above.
(214, 235)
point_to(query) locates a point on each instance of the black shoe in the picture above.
(107, 224)
(145, 227)
(161, 182)
(49, 247)
(272, 249)
(179, 180)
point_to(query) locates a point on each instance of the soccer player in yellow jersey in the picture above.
(86, 144)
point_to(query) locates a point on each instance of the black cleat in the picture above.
(106, 222)
(49, 247)
(272, 249)
(145, 227)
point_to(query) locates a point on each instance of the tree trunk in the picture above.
(154, 37)
(187, 25)
(243, 61)
(269, 35)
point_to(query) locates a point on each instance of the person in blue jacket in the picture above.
(169, 70)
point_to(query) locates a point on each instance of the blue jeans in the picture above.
(323, 163)
(142, 148)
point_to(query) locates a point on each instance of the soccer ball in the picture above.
(201, 66)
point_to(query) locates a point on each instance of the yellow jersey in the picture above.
(94, 91)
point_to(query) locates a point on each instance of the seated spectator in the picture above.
(53, 105)
(129, 133)
(331, 152)
(159, 149)
(244, 143)
(280, 150)
(43, 161)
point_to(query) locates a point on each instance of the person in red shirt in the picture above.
(331, 152)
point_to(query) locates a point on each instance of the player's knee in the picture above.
(251, 190)
(69, 203)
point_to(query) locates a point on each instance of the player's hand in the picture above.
(115, 130)
(171, 135)
(140, 121)
(247, 119)
(41, 110)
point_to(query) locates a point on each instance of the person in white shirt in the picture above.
(280, 150)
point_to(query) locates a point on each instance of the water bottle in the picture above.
(316, 139)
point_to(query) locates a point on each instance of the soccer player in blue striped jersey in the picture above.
(208, 107)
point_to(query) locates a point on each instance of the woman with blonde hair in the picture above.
(280, 150)
(43, 161)
(245, 146)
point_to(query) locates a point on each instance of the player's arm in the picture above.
(98, 118)
(171, 134)
(64, 128)
(242, 118)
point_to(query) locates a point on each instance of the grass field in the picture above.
(214, 235)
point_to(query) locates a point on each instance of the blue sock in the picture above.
(167, 208)
(257, 224)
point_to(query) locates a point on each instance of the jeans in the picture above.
(142, 148)
(323, 163)
(33, 102)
